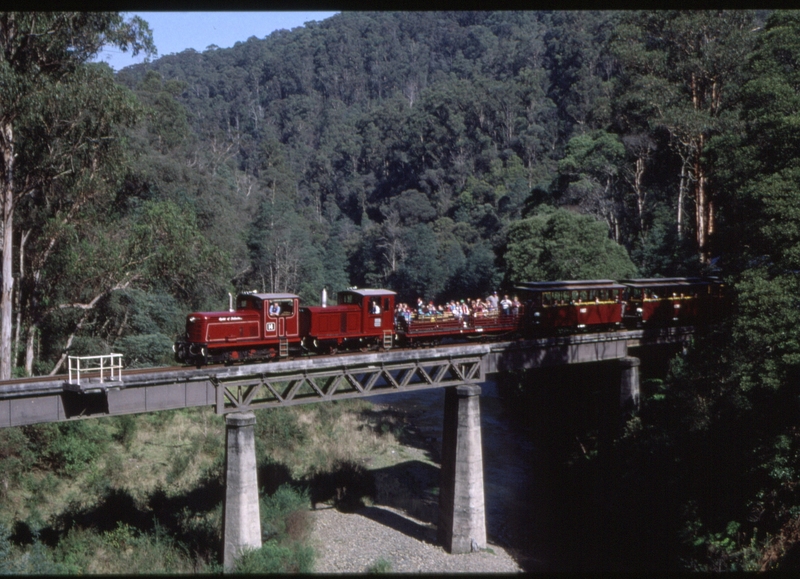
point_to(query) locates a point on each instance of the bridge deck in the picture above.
(308, 379)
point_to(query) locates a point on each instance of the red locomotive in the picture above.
(362, 319)
(261, 327)
(274, 325)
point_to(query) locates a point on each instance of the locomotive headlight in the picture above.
(638, 310)
(192, 319)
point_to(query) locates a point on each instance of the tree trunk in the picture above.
(705, 214)
(681, 194)
(29, 350)
(7, 152)
(18, 296)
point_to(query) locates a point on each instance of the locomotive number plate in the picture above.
(270, 326)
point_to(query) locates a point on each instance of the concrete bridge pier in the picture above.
(241, 517)
(462, 514)
(629, 387)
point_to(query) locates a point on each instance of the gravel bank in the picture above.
(354, 542)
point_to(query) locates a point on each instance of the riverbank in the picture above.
(401, 521)
(377, 535)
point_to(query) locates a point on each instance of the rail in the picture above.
(107, 363)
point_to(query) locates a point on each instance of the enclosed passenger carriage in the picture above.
(262, 326)
(553, 306)
(362, 319)
(672, 301)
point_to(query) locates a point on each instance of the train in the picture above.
(268, 326)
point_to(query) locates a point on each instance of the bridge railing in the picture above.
(109, 367)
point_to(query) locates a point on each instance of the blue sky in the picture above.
(176, 31)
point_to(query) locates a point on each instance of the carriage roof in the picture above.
(548, 286)
(666, 281)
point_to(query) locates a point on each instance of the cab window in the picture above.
(346, 299)
(283, 307)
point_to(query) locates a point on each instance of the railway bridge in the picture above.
(236, 391)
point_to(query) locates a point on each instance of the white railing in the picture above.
(109, 366)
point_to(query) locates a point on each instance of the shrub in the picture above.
(127, 426)
(380, 566)
(284, 514)
(273, 557)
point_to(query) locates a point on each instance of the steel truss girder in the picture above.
(266, 390)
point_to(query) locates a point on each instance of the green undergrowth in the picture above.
(144, 493)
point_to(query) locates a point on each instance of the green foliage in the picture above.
(276, 558)
(120, 550)
(561, 245)
(16, 455)
(8, 564)
(284, 523)
(283, 514)
(68, 447)
(380, 566)
(279, 428)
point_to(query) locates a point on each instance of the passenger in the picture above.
(515, 305)
(505, 305)
(431, 309)
(420, 308)
(492, 302)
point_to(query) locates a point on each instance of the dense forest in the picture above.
(441, 155)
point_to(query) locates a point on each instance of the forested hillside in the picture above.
(390, 149)
(394, 149)
(442, 155)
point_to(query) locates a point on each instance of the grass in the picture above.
(144, 492)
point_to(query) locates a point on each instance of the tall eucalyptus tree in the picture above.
(42, 66)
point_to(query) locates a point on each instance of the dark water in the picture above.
(515, 495)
